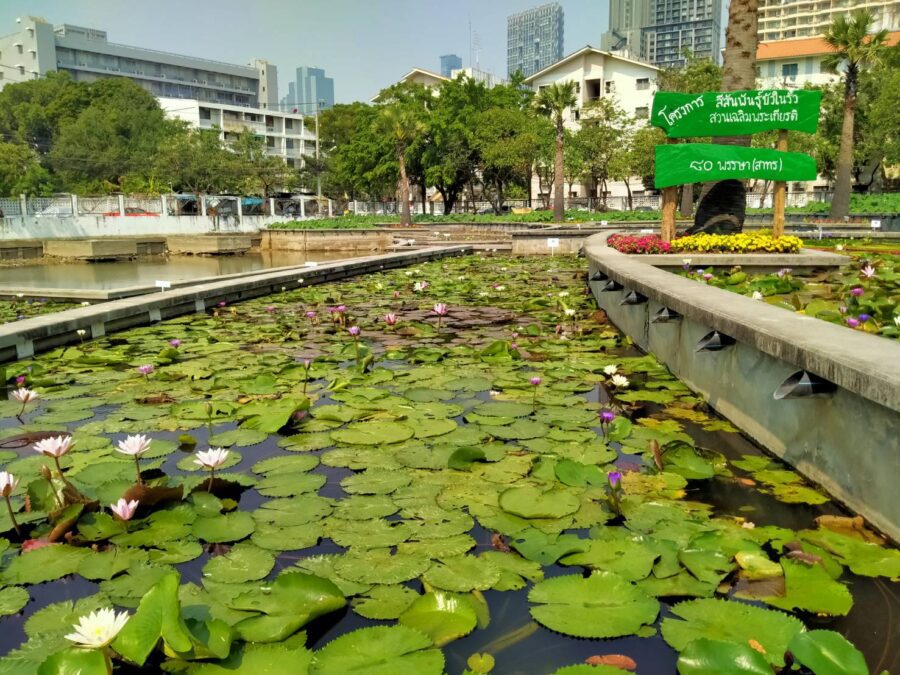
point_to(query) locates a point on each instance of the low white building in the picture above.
(598, 74)
(285, 133)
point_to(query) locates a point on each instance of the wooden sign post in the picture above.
(669, 199)
(778, 201)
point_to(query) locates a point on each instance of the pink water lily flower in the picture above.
(440, 309)
(134, 446)
(146, 369)
(55, 446)
(390, 319)
(25, 396)
(125, 509)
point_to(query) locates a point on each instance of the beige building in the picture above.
(785, 19)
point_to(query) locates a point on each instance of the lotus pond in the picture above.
(20, 308)
(455, 468)
(863, 296)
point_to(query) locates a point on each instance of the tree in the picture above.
(643, 153)
(401, 125)
(857, 50)
(195, 161)
(21, 172)
(505, 140)
(605, 134)
(261, 173)
(696, 76)
(552, 101)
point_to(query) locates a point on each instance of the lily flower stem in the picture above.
(54, 492)
(212, 473)
(356, 347)
(60, 471)
(107, 660)
(137, 467)
(12, 516)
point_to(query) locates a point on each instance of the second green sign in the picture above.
(678, 164)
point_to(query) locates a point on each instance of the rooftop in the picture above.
(585, 50)
(797, 47)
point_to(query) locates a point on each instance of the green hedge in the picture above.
(880, 204)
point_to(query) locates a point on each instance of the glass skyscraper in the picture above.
(310, 86)
(534, 39)
(449, 63)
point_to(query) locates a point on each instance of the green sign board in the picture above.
(681, 163)
(735, 113)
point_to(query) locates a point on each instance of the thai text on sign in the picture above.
(683, 163)
(735, 113)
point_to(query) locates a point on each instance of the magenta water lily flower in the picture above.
(176, 343)
(615, 490)
(390, 319)
(784, 272)
(614, 478)
(853, 323)
(123, 509)
(440, 309)
(20, 380)
(535, 381)
(354, 331)
(270, 309)
(707, 276)
(857, 291)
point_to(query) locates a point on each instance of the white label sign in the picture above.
(553, 242)
(604, 223)
(163, 285)
(876, 224)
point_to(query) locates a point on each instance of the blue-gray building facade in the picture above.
(534, 39)
(311, 86)
(449, 63)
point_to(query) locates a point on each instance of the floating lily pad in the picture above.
(373, 433)
(379, 650)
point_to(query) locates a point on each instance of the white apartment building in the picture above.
(785, 19)
(37, 48)
(285, 133)
(598, 74)
(788, 64)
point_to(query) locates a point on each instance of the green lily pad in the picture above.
(223, 528)
(384, 602)
(463, 573)
(380, 566)
(704, 656)
(12, 600)
(810, 588)
(441, 616)
(373, 433)
(825, 652)
(532, 502)
(379, 650)
(244, 562)
(603, 605)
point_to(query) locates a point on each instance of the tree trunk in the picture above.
(628, 189)
(686, 208)
(840, 203)
(739, 64)
(424, 199)
(559, 206)
(405, 219)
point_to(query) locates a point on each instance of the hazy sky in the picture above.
(364, 44)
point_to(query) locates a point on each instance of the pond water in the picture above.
(148, 269)
(427, 467)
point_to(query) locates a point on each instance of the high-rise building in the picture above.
(679, 26)
(627, 19)
(785, 19)
(37, 48)
(309, 89)
(449, 63)
(534, 39)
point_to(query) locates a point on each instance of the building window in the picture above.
(576, 114)
(643, 83)
(642, 113)
(789, 69)
(610, 87)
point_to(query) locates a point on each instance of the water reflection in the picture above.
(146, 270)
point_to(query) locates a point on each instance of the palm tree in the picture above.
(852, 45)
(402, 125)
(552, 101)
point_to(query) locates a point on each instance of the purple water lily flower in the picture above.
(857, 291)
(853, 323)
(614, 477)
(864, 317)
(176, 343)
(535, 381)
(354, 331)
(607, 416)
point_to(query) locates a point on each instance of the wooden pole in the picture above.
(669, 202)
(780, 192)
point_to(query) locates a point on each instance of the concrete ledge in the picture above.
(23, 339)
(758, 262)
(91, 249)
(846, 441)
(328, 240)
(209, 244)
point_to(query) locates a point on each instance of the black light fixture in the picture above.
(599, 276)
(715, 341)
(611, 285)
(665, 315)
(803, 384)
(633, 298)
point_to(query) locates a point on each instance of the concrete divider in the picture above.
(22, 339)
(845, 440)
(329, 240)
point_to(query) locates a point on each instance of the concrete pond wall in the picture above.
(847, 440)
(22, 339)
(328, 240)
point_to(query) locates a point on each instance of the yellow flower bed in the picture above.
(745, 242)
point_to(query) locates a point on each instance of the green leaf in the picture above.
(532, 502)
(384, 602)
(44, 564)
(827, 653)
(379, 566)
(239, 437)
(286, 605)
(603, 605)
(731, 621)
(711, 657)
(158, 616)
(863, 558)
(545, 548)
(756, 565)
(244, 562)
(463, 458)
(107, 564)
(12, 600)
(811, 588)
(463, 573)
(259, 659)
(375, 482)
(74, 661)
(373, 433)
(441, 616)
(223, 528)
(379, 650)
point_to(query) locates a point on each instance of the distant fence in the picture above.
(639, 202)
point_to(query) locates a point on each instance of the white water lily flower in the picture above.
(570, 312)
(839, 247)
(81, 332)
(124, 509)
(483, 294)
(8, 483)
(897, 321)
(134, 446)
(85, 304)
(620, 381)
(757, 295)
(610, 370)
(98, 629)
(563, 294)
(868, 271)
(212, 458)
(500, 288)
(55, 446)
(23, 395)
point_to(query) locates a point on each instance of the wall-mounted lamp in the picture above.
(803, 384)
